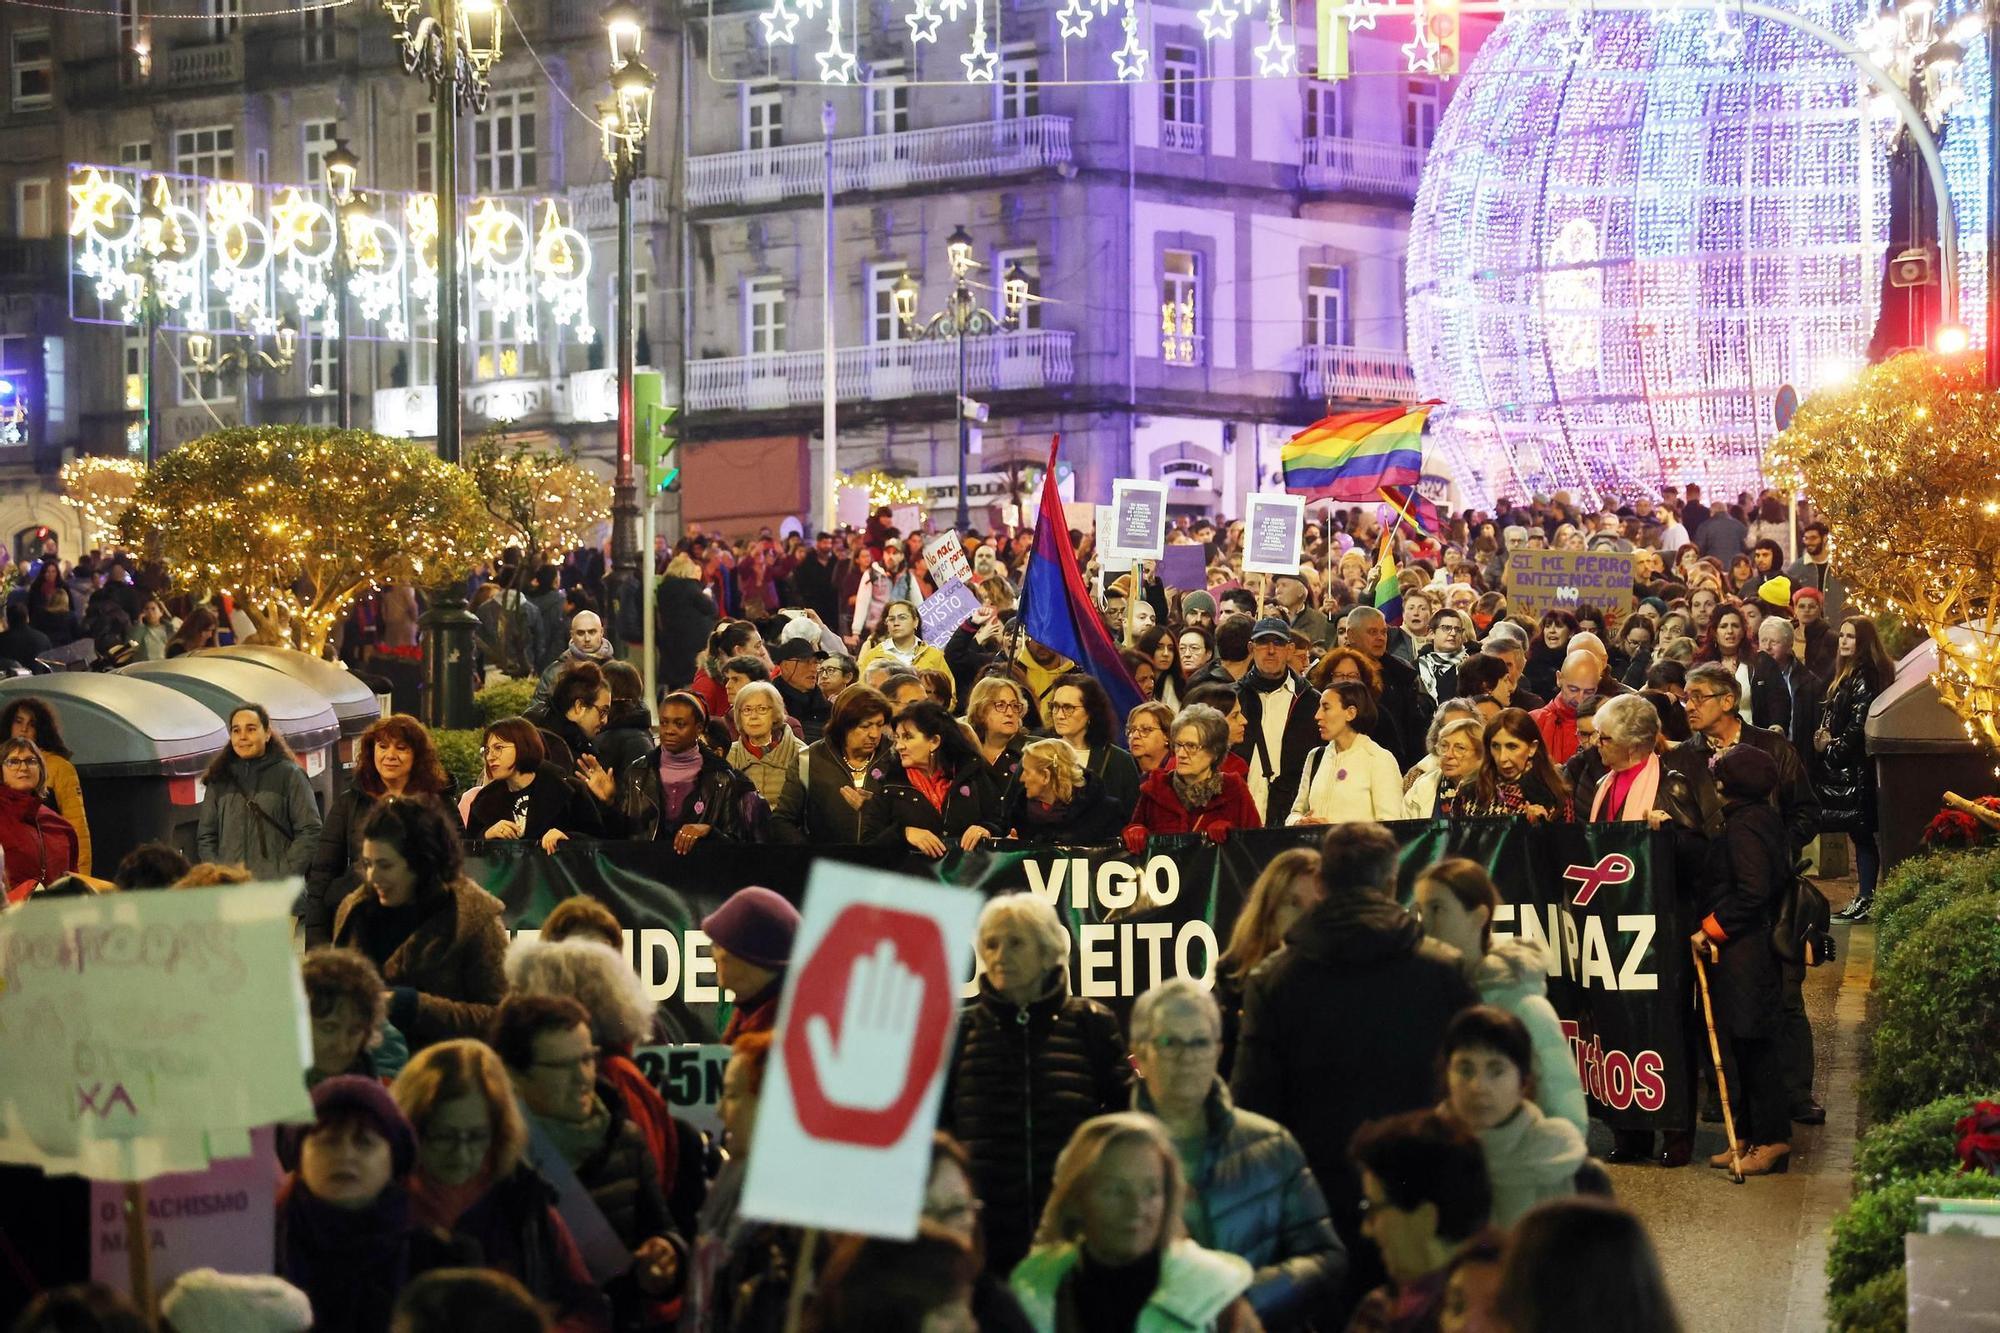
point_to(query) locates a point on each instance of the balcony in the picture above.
(1355, 374)
(199, 66)
(1002, 361)
(1364, 165)
(596, 207)
(879, 161)
(1183, 137)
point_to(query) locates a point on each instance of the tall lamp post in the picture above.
(962, 317)
(342, 167)
(626, 118)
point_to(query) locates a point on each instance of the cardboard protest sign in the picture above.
(944, 554)
(689, 1077)
(1539, 581)
(149, 1032)
(945, 610)
(1184, 568)
(850, 507)
(1273, 531)
(223, 1218)
(907, 518)
(1138, 527)
(867, 1017)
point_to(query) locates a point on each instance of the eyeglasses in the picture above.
(1701, 696)
(952, 1213)
(1006, 706)
(23, 761)
(1065, 709)
(588, 1060)
(459, 1140)
(498, 748)
(1187, 747)
(1183, 1045)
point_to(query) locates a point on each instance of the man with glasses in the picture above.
(1576, 683)
(1437, 662)
(797, 664)
(836, 672)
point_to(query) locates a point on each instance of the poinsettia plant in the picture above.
(1979, 1139)
(1956, 829)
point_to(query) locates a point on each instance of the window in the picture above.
(31, 208)
(1030, 262)
(224, 17)
(319, 137)
(423, 140)
(883, 325)
(763, 116)
(1326, 305)
(135, 44)
(138, 154)
(1180, 98)
(888, 99)
(1020, 82)
(322, 365)
(1180, 282)
(318, 42)
(34, 70)
(764, 316)
(422, 365)
(134, 354)
(503, 143)
(1326, 111)
(1420, 114)
(206, 152)
(500, 350)
(55, 383)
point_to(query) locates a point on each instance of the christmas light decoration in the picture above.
(1276, 56)
(1218, 20)
(1130, 58)
(923, 21)
(1074, 19)
(979, 61)
(101, 489)
(1608, 302)
(545, 502)
(884, 491)
(836, 63)
(780, 22)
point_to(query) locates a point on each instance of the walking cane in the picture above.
(1715, 1053)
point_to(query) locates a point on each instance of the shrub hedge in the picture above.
(1868, 1237)
(1915, 1142)
(1939, 1031)
(1918, 888)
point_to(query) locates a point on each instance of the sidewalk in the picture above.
(1753, 1256)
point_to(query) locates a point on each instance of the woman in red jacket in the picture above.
(1195, 795)
(37, 844)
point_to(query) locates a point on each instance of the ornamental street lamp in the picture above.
(242, 354)
(161, 240)
(626, 118)
(342, 167)
(961, 317)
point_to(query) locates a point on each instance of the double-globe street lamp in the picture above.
(962, 317)
(343, 169)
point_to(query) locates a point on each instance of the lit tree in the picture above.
(1901, 464)
(101, 489)
(296, 522)
(544, 502)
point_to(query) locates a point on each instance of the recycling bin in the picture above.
(298, 714)
(139, 749)
(1921, 752)
(355, 705)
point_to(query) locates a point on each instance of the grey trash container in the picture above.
(1921, 752)
(139, 749)
(355, 705)
(298, 714)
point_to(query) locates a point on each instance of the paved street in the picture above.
(1752, 1256)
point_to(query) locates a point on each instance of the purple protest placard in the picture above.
(1184, 567)
(945, 610)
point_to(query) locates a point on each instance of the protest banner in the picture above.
(868, 1013)
(907, 518)
(1105, 523)
(689, 1077)
(945, 610)
(1600, 896)
(944, 556)
(224, 1218)
(850, 507)
(1184, 568)
(1539, 581)
(1273, 531)
(1138, 525)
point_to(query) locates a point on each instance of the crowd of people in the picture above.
(1224, 1158)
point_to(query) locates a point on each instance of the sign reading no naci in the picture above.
(1539, 581)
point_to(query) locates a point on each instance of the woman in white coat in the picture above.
(1350, 777)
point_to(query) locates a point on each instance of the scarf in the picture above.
(439, 1205)
(931, 785)
(1196, 793)
(677, 778)
(1639, 794)
(351, 1263)
(1260, 683)
(576, 1140)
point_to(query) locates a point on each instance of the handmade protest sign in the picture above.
(945, 610)
(1138, 529)
(945, 556)
(870, 1004)
(688, 1076)
(1539, 581)
(1273, 528)
(222, 1218)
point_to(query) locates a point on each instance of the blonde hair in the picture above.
(981, 699)
(1255, 936)
(1062, 1219)
(454, 1069)
(1064, 768)
(589, 971)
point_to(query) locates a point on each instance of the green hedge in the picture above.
(1868, 1237)
(458, 751)
(1939, 1031)
(507, 699)
(1915, 1142)
(1918, 888)
(1879, 1305)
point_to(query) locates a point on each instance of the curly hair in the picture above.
(1322, 672)
(420, 832)
(427, 775)
(577, 682)
(334, 977)
(593, 974)
(1097, 711)
(48, 731)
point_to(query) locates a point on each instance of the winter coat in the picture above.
(1846, 773)
(769, 771)
(1544, 664)
(555, 801)
(67, 789)
(1118, 771)
(1513, 975)
(1299, 738)
(1088, 816)
(352, 1263)
(721, 798)
(37, 845)
(260, 813)
(1305, 1059)
(1529, 1158)
(1196, 1289)
(514, 1227)
(928, 657)
(546, 683)
(1021, 1081)
(1252, 1195)
(622, 1175)
(1361, 782)
(1792, 710)
(811, 809)
(1420, 798)
(1749, 870)
(1796, 801)
(1161, 811)
(1556, 721)
(330, 877)
(448, 977)
(971, 799)
(1404, 705)
(683, 617)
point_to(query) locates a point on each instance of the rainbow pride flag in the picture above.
(1412, 508)
(1353, 455)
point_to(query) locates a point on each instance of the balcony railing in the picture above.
(1361, 374)
(1182, 137)
(596, 208)
(195, 66)
(880, 161)
(1002, 361)
(1361, 164)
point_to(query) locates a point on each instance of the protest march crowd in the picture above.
(1368, 1116)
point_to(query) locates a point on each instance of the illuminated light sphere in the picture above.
(1614, 267)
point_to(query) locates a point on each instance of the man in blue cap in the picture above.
(1279, 729)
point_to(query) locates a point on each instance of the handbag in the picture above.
(1802, 935)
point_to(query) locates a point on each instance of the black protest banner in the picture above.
(1599, 896)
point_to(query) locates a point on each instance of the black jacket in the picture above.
(972, 798)
(683, 616)
(1342, 1026)
(329, 879)
(809, 708)
(1847, 774)
(722, 798)
(626, 736)
(812, 810)
(1301, 737)
(1021, 1082)
(1793, 710)
(1751, 867)
(1118, 772)
(1089, 817)
(555, 800)
(1795, 800)
(1404, 702)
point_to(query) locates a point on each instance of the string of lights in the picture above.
(144, 15)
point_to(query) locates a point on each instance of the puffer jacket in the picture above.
(1022, 1080)
(67, 788)
(769, 771)
(811, 808)
(1253, 1195)
(1513, 975)
(1196, 1291)
(1846, 773)
(722, 798)
(623, 1178)
(260, 813)
(1529, 1158)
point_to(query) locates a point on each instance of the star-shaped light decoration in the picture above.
(1274, 57)
(1358, 16)
(979, 62)
(93, 199)
(1131, 57)
(292, 223)
(1218, 21)
(780, 22)
(923, 21)
(1075, 19)
(836, 64)
(1723, 43)
(1420, 53)
(488, 227)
